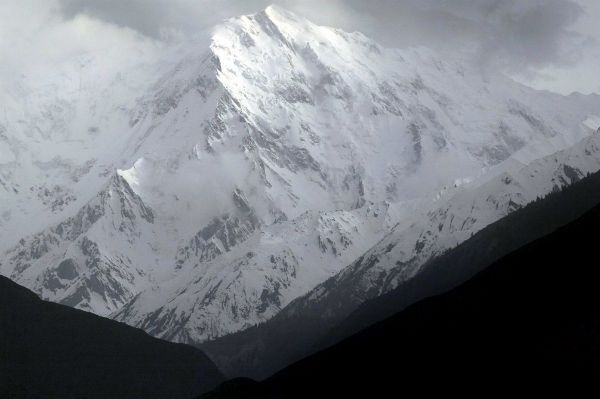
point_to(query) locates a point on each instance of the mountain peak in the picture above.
(274, 23)
(279, 117)
(276, 11)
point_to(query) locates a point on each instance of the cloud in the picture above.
(144, 16)
(35, 38)
(512, 33)
(516, 36)
(157, 18)
(530, 34)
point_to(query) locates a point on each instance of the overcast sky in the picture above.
(549, 44)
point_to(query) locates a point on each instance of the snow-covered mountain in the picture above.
(406, 263)
(402, 253)
(257, 165)
(216, 295)
(81, 261)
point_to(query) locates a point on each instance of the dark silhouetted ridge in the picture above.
(53, 351)
(297, 332)
(531, 320)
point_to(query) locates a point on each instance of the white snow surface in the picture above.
(203, 189)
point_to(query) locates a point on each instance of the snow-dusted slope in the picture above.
(74, 261)
(269, 159)
(401, 259)
(377, 119)
(208, 307)
(216, 295)
(449, 222)
(61, 133)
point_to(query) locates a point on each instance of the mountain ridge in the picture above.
(271, 156)
(523, 323)
(260, 351)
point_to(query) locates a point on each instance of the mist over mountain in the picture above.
(225, 174)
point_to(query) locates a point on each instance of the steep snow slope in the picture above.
(522, 322)
(399, 256)
(208, 307)
(314, 321)
(252, 283)
(269, 160)
(402, 253)
(60, 134)
(216, 295)
(74, 261)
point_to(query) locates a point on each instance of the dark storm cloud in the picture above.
(512, 34)
(521, 34)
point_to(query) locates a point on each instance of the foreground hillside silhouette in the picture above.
(53, 351)
(532, 319)
(298, 332)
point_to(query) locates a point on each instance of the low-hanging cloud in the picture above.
(144, 16)
(512, 35)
